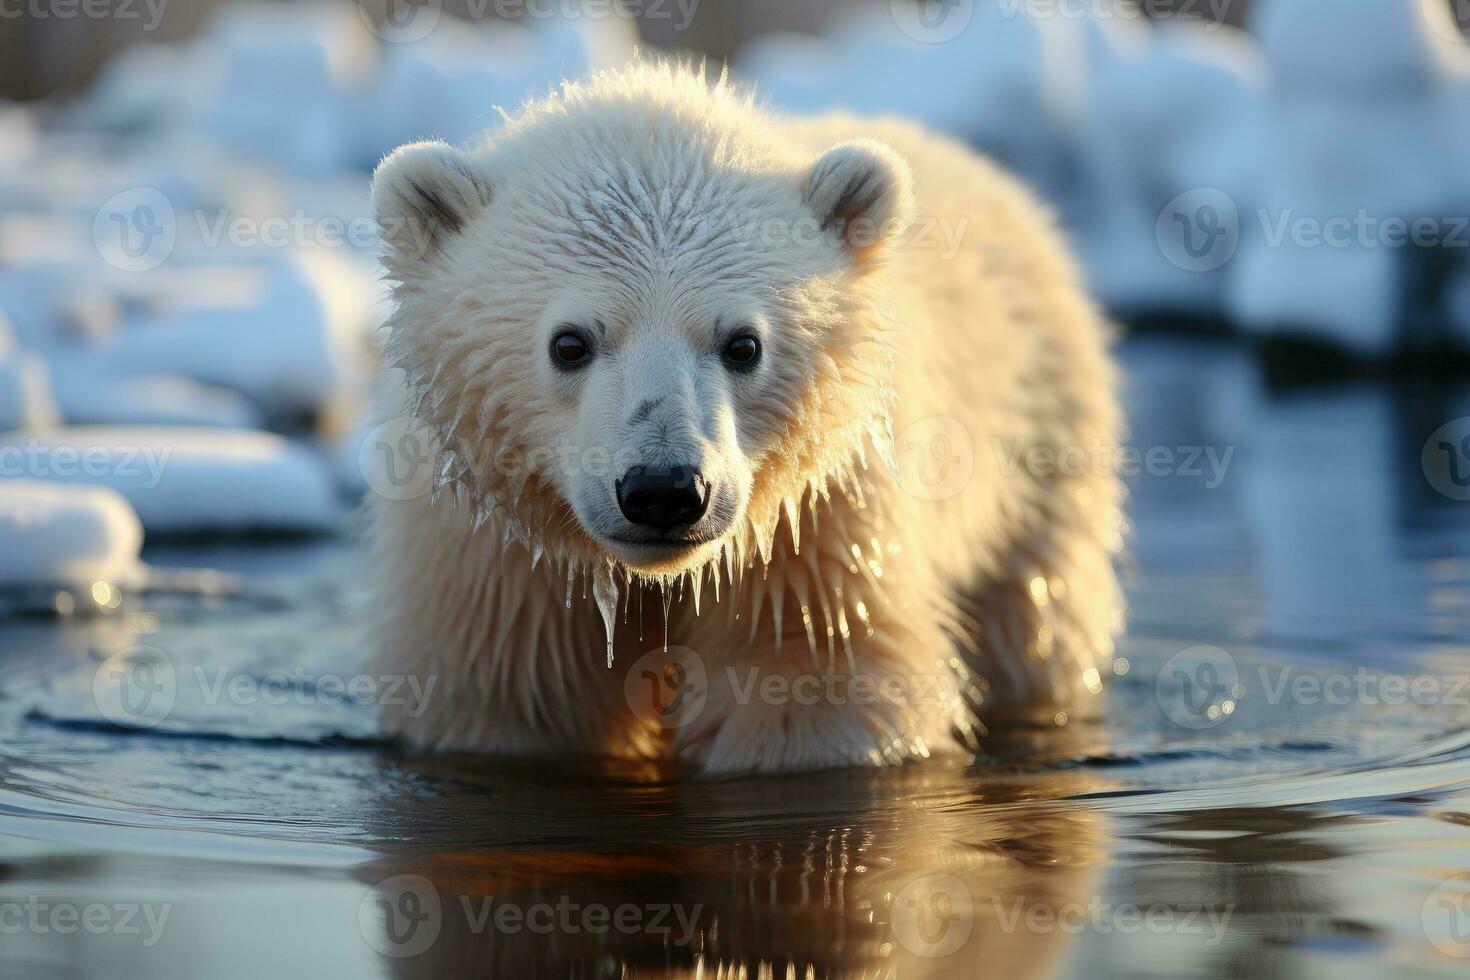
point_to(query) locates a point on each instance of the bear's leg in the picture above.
(839, 657)
(498, 653)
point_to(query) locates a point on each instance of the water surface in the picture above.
(1278, 783)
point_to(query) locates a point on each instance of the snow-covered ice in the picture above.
(1455, 120)
(1355, 136)
(56, 535)
(277, 113)
(17, 131)
(292, 338)
(1168, 119)
(452, 83)
(283, 81)
(25, 391)
(1333, 109)
(48, 304)
(1009, 82)
(89, 396)
(184, 480)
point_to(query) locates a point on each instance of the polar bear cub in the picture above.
(758, 443)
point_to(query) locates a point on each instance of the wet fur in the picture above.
(1002, 592)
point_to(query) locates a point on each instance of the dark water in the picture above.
(1279, 785)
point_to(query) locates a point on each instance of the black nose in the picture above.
(663, 497)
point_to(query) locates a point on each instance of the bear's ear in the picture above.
(862, 193)
(422, 195)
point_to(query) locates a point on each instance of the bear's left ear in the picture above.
(862, 193)
(424, 194)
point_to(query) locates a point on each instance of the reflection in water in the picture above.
(892, 873)
(1289, 535)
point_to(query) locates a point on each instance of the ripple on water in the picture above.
(1220, 774)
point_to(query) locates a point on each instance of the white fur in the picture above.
(899, 284)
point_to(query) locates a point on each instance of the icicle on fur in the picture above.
(605, 594)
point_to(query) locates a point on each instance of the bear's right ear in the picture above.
(422, 195)
(862, 194)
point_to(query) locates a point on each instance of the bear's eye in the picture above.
(742, 352)
(570, 349)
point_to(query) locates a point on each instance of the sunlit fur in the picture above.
(646, 200)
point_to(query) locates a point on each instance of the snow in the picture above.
(308, 89)
(213, 382)
(1124, 128)
(245, 358)
(1326, 46)
(1002, 83)
(1454, 119)
(85, 395)
(450, 83)
(17, 131)
(139, 88)
(283, 81)
(25, 391)
(187, 480)
(291, 338)
(1171, 117)
(1344, 294)
(48, 304)
(66, 535)
(1353, 127)
(1104, 118)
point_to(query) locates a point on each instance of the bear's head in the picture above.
(644, 322)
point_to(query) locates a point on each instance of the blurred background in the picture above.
(184, 237)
